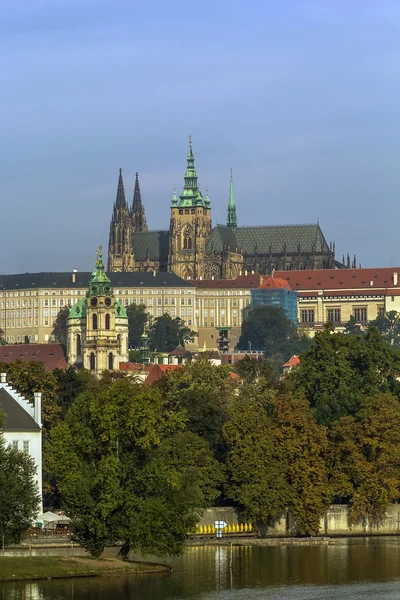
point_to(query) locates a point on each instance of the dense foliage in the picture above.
(19, 498)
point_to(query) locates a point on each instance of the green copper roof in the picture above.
(78, 311)
(120, 311)
(191, 195)
(232, 218)
(99, 274)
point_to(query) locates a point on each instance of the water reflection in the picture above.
(349, 569)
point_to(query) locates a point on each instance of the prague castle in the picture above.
(193, 249)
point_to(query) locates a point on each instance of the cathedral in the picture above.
(193, 249)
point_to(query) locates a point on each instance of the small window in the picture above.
(15, 444)
(181, 212)
(107, 321)
(26, 446)
(94, 321)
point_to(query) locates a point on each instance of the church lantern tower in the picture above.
(190, 226)
(120, 247)
(97, 326)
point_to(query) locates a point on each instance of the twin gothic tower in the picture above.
(192, 248)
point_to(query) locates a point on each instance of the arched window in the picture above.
(187, 243)
(111, 361)
(94, 321)
(107, 321)
(78, 345)
(92, 361)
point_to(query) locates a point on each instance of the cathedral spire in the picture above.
(232, 218)
(120, 201)
(137, 198)
(138, 215)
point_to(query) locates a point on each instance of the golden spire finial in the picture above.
(101, 251)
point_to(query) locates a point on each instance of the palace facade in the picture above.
(192, 248)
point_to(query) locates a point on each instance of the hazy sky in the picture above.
(300, 97)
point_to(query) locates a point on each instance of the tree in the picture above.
(388, 325)
(351, 327)
(137, 321)
(70, 383)
(365, 458)
(276, 460)
(268, 328)
(128, 470)
(167, 333)
(339, 371)
(203, 391)
(59, 332)
(250, 369)
(19, 497)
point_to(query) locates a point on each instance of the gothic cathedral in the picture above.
(192, 248)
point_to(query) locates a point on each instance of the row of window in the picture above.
(333, 315)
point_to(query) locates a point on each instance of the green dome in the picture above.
(78, 311)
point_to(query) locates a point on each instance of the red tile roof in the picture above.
(342, 279)
(275, 283)
(130, 366)
(292, 362)
(157, 371)
(52, 355)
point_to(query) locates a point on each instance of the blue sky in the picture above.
(300, 97)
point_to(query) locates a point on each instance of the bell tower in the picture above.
(190, 225)
(97, 326)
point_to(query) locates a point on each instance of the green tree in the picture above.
(59, 332)
(352, 328)
(388, 325)
(128, 470)
(250, 369)
(276, 460)
(137, 321)
(365, 458)
(69, 384)
(268, 328)
(203, 391)
(167, 333)
(19, 497)
(339, 371)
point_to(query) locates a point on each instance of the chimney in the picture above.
(165, 360)
(3, 377)
(245, 272)
(155, 360)
(395, 278)
(371, 283)
(174, 360)
(38, 408)
(74, 272)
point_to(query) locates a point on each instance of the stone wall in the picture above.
(335, 522)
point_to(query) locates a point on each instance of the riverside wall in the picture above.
(334, 522)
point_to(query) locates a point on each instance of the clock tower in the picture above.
(97, 326)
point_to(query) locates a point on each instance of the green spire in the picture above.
(174, 198)
(99, 274)
(232, 218)
(191, 194)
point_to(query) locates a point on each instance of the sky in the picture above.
(301, 98)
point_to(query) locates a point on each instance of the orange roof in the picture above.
(275, 283)
(292, 362)
(51, 355)
(343, 279)
(130, 366)
(157, 371)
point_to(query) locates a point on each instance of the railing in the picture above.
(234, 528)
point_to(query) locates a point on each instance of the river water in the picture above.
(348, 569)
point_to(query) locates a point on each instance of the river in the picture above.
(348, 569)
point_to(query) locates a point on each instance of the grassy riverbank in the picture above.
(54, 567)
